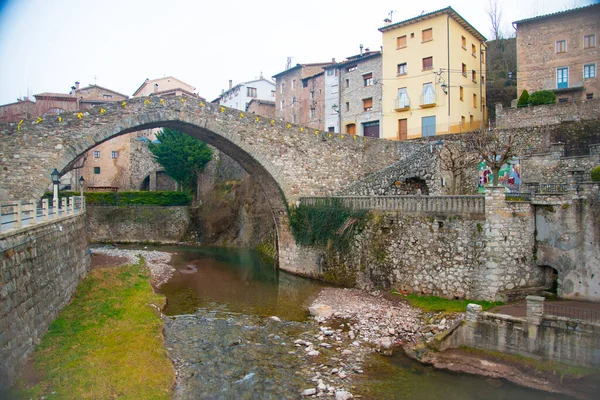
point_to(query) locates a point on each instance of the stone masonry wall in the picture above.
(137, 224)
(40, 269)
(549, 114)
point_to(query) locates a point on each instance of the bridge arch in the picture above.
(287, 161)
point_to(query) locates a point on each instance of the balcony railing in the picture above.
(428, 100)
(402, 103)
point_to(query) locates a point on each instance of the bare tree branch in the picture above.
(494, 13)
(455, 157)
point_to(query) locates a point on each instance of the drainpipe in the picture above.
(480, 88)
(448, 70)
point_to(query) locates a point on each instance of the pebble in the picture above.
(309, 392)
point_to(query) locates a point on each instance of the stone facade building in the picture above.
(433, 66)
(353, 95)
(14, 112)
(560, 52)
(300, 93)
(262, 107)
(240, 95)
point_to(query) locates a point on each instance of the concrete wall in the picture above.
(539, 336)
(40, 269)
(137, 224)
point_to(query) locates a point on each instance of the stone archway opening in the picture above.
(550, 279)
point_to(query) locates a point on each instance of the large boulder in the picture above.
(321, 310)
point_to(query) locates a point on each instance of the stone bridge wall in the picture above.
(40, 270)
(132, 224)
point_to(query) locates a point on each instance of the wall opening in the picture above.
(550, 279)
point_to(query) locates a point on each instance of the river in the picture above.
(225, 346)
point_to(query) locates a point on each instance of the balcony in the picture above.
(402, 103)
(428, 100)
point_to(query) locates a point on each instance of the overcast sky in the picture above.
(47, 45)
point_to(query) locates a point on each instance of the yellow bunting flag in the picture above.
(256, 119)
(354, 136)
(102, 111)
(162, 101)
(272, 122)
(59, 118)
(38, 120)
(201, 104)
(79, 115)
(341, 136)
(241, 115)
(124, 104)
(330, 135)
(19, 124)
(183, 99)
(288, 126)
(222, 109)
(317, 132)
(301, 129)
(147, 102)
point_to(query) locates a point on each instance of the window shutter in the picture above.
(427, 34)
(401, 42)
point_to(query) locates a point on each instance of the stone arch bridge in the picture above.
(288, 161)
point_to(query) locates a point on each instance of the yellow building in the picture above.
(432, 76)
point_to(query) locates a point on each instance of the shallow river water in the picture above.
(225, 346)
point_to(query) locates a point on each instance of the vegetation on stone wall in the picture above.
(523, 99)
(542, 97)
(135, 198)
(595, 174)
(325, 225)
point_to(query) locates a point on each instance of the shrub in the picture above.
(595, 174)
(141, 198)
(523, 99)
(542, 97)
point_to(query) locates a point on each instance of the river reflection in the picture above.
(240, 279)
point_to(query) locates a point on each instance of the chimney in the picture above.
(230, 84)
(76, 85)
(156, 88)
(367, 50)
(333, 60)
(361, 49)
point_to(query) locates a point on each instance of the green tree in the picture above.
(523, 99)
(542, 97)
(182, 156)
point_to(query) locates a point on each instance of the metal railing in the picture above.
(426, 204)
(20, 214)
(402, 103)
(429, 99)
(583, 314)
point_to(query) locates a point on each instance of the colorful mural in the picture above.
(509, 176)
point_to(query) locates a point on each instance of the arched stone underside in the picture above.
(286, 160)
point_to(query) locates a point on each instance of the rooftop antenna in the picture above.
(389, 19)
(288, 63)
(95, 77)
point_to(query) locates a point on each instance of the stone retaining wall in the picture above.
(539, 336)
(40, 269)
(133, 224)
(546, 114)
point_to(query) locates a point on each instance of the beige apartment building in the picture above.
(560, 52)
(432, 76)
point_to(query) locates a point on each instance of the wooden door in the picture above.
(402, 129)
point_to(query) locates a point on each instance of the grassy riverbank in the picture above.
(434, 303)
(106, 343)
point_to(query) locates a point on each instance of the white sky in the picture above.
(46, 45)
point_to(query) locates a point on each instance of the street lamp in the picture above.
(55, 181)
(81, 183)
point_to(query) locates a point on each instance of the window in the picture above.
(428, 96)
(562, 78)
(473, 50)
(482, 80)
(114, 154)
(272, 93)
(282, 87)
(462, 120)
(589, 71)
(464, 70)
(368, 104)
(107, 96)
(331, 129)
(462, 93)
(428, 63)
(589, 41)
(330, 72)
(463, 42)
(251, 92)
(347, 106)
(402, 100)
(304, 83)
(347, 83)
(561, 46)
(293, 84)
(563, 100)
(293, 101)
(589, 96)
(474, 100)
(482, 57)
(97, 170)
(96, 153)
(351, 68)
(293, 118)
(312, 113)
(401, 42)
(401, 69)
(282, 105)
(368, 79)
(474, 76)
(427, 35)
(471, 120)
